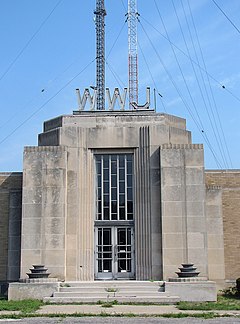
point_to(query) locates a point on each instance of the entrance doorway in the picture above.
(114, 252)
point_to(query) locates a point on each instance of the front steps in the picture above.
(106, 291)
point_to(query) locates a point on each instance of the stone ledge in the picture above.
(20, 290)
(181, 146)
(197, 291)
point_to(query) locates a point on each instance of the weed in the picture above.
(223, 303)
(25, 306)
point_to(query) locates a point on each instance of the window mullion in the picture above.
(110, 187)
(118, 187)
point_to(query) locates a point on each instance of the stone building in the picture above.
(118, 195)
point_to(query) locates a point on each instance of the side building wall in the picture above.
(229, 182)
(10, 225)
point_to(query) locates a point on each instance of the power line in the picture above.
(184, 102)
(148, 67)
(221, 146)
(231, 22)
(197, 64)
(29, 41)
(45, 103)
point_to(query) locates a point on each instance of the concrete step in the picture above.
(111, 289)
(110, 294)
(142, 299)
(112, 283)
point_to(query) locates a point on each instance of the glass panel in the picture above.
(114, 181)
(129, 216)
(98, 168)
(121, 160)
(106, 213)
(121, 236)
(113, 158)
(99, 181)
(129, 181)
(105, 161)
(121, 174)
(114, 193)
(129, 194)
(98, 158)
(122, 200)
(114, 167)
(122, 187)
(114, 207)
(129, 167)
(114, 184)
(107, 238)
(99, 236)
(129, 266)
(99, 207)
(106, 200)
(122, 266)
(99, 265)
(129, 236)
(129, 157)
(106, 187)
(105, 174)
(122, 213)
(130, 207)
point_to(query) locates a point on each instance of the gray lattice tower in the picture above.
(100, 13)
(132, 52)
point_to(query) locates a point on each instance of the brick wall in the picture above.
(229, 181)
(10, 187)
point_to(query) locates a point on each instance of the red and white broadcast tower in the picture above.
(132, 52)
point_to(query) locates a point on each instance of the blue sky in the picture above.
(65, 45)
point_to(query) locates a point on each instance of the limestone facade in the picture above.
(10, 225)
(181, 213)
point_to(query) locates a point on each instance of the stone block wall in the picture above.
(183, 207)
(229, 181)
(10, 225)
(216, 267)
(44, 204)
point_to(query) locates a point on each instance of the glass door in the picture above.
(114, 253)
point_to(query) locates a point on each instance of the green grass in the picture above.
(24, 306)
(223, 303)
(103, 314)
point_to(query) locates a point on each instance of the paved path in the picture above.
(122, 320)
(121, 309)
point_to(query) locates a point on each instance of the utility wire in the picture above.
(217, 138)
(184, 79)
(45, 103)
(231, 22)
(114, 43)
(179, 66)
(222, 135)
(184, 102)
(43, 90)
(145, 60)
(29, 41)
(185, 54)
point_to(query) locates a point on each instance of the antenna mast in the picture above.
(132, 52)
(100, 13)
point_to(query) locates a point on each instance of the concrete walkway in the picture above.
(118, 309)
(122, 309)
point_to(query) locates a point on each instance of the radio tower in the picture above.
(100, 13)
(132, 52)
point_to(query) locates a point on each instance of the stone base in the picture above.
(37, 290)
(192, 290)
(38, 280)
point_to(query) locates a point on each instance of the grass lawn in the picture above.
(223, 303)
(24, 306)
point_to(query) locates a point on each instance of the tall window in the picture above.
(114, 186)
